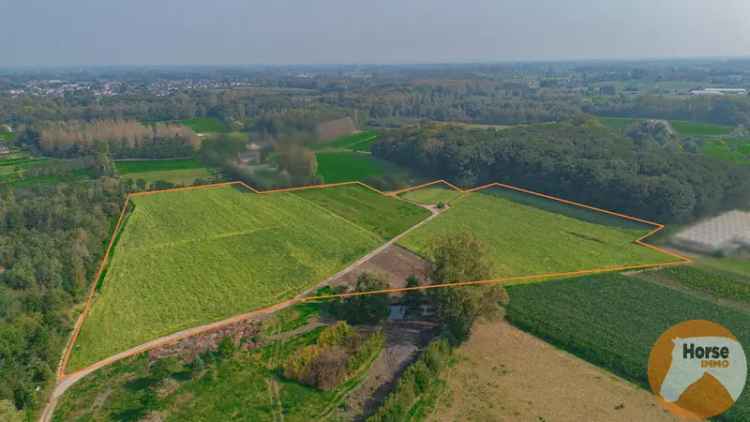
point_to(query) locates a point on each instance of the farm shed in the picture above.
(725, 233)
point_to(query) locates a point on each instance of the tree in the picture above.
(413, 298)
(364, 309)
(226, 347)
(301, 163)
(457, 259)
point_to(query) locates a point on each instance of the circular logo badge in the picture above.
(698, 369)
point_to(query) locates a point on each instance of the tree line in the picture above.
(51, 240)
(124, 139)
(582, 161)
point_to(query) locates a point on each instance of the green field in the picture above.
(235, 388)
(7, 136)
(189, 258)
(734, 150)
(16, 170)
(335, 167)
(617, 123)
(180, 172)
(686, 128)
(613, 321)
(716, 283)
(432, 194)
(377, 213)
(204, 125)
(523, 238)
(357, 142)
(682, 127)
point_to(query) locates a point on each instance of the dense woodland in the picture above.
(51, 240)
(582, 161)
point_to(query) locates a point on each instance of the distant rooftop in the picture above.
(728, 231)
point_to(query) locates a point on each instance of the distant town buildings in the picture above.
(719, 91)
(4, 150)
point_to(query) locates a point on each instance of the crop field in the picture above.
(613, 321)
(335, 167)
(246, 386)
(525, 235)
(432, 194)
(377, 213)
(715, 283)
(204, 125)
(191, 257)
(357, 142)
(183, 172)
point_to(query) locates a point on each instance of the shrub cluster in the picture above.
(336, 356)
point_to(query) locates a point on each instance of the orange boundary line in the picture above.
(505, 280)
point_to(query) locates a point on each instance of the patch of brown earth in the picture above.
(505, 374)
(403, 341)
(394, 264)
(333, 129)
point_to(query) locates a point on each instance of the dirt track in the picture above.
(68, 380)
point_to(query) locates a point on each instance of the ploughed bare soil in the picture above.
(404, 341)
(505, 374)
(394, 264)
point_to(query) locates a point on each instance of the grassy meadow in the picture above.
(194, 257)
(356, 142)
(682, 127)
(21, 169)
(613, 321)
(204, 125)
(177, 171)
(432, 194)
(233, 388)
(523, 238)
(378, 213)
(734, 150)
(336, 167)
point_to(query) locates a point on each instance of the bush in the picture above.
(338, 334)
(339, 352)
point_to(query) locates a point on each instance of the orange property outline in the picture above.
(505, 280)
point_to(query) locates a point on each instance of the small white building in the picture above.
(725, 233)
(719, 91)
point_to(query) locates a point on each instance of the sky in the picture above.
(218, 32)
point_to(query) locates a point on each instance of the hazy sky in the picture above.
(94, 32)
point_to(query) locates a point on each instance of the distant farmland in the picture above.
(613, 321)
(192, 257)
(682, 127)
(183, 172)
(371, 210)
(432, 194)
(205, 125)
(336, 167)
(526, 235)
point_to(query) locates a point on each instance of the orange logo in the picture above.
(698, 369)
